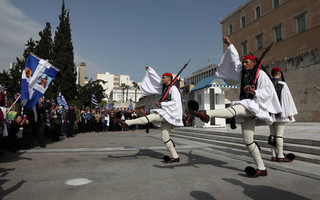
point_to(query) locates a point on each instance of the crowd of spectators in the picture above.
(48, 123)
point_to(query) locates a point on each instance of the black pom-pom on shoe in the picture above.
(193, 105)
(166, 158)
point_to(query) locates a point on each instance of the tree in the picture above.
(13, 84)
(85, 92)
(127, 87)
(136, 87)
(5, 78)
(64, 57)
(31, 47)
(44, 50)
(123, 87)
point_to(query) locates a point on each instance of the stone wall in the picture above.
(302, 74)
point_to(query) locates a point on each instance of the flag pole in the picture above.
(43, 59)
(13, 104)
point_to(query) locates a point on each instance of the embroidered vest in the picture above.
(247, 78)
(278, 87)
(168, 97)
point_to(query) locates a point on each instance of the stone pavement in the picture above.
(300, 131)
(128, 165)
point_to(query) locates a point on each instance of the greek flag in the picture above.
(53, 102)
(36, 77)
(105, 106)
(130, 106)
(94, 100)
(62, 101)
(110, 106)
(183, 103)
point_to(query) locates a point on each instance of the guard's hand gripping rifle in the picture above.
(166, 92)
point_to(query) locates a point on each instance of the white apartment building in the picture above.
(112, 84)
(118, 95)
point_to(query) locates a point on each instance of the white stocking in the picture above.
(279, 127)
(154, 117)
(165, 130)
(236, 110)
(248, 127)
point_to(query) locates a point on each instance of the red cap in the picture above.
(251, 57)
(277, 69)
(167, 74)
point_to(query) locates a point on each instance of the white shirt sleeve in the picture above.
(287, 103)
(151, 83)
(266, 95)
(230, 66)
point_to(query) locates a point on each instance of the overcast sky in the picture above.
(123, 36)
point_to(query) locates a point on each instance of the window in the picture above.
(301, 23)
(230, 29)
(259, 41)
(258, 11)
(243, 21)
(278, 33)
(244, 48)
(276, 3)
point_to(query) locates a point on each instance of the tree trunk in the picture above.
(135, 95)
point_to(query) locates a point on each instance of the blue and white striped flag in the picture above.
(36, 77)
(94, 100)
(183, 103)
(110, 106)
(53, 102)
(62, 101)
(105, 105)
(130, 106)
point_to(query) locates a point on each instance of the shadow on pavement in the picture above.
(199, 195)
(5, 158)
(144, 152)
(192, 160)
(11, 157)
(4, 172)
(265, 192)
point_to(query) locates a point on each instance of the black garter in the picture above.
(171, 141)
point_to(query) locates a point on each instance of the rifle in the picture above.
(259, 62)
(166, 92)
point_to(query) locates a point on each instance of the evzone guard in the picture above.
(287, 115)
(258, 101)
(169, 112)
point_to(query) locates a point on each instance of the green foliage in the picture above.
(12, 79)
(102, 103)
(14, 84)
(92, 87)
(5, 78)
(58, 52)
(136, 87)
(44, 48)
(31, 47)
(123, 87)
(64, 58)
